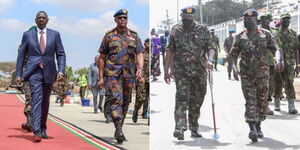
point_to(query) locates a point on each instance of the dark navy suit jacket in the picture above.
(30, 48)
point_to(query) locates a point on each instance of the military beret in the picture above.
(266, 17)
(212, 30)
(250, 13)
(121, 12)
(231, 31)
(286, 15)
(147, 40)
(188, 10)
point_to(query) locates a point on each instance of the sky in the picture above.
(158, 10)
(81, 23)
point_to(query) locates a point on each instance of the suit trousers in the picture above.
(40, 92)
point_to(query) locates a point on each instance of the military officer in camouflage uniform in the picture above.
(142, 87)
(253, 45)
(119, 51)
(288, 42)
(27, 110)
(217, 45)
(190, 52)
(265, 21)
(61, 88)
(228, 43)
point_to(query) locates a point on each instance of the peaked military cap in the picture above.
(286, 15)
(250, 13)
(188, 10)
(121, 12)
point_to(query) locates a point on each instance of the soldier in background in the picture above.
(228, 43)
(288, 42)
(61, 88)
(142, 87)
(265, 22)
(190, 53)
(216, 41)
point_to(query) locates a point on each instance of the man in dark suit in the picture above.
(41, 46)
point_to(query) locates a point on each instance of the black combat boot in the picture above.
(119, 133)
(28, 125)
(135, 116)
(178, 134)
(195, 134)
(258, 129)
(253, 133)
(229, 76)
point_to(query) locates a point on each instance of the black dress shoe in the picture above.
(195, 134)
(44, 135)
(37, 137)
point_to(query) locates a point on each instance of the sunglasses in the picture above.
(122, 18)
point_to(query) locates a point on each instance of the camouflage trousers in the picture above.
(216, 57)
(142, 94)
(287, 75)
(255, 90)
(190, 93)
(120, 90)
(27, 109)
(229, 67)
(271, 82)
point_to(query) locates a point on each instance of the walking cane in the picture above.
(210, 81)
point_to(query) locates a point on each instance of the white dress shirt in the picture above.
(39, 34)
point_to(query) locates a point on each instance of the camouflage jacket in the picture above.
(253, 50)
(121, 51)
(146, 66)
(289, 44)
(228, 44)
(216, 42)
(190, 48)
(61, 87)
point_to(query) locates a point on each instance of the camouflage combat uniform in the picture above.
(217, 46)
(27, 109)
(228, 43)
(142, 89)
(61, 88)
(120, 68)
(254, 70)
(289, 43)
(190, 47)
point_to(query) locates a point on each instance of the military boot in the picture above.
(258, 129)
(178, 134)
(119, 133)
(292, 109)
(269, 111)
(229, 76)
(135, 116)
(28, 125)
(277, 104)
(253, 133)
(195, 134)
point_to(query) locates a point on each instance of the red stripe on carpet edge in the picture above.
(86, 135)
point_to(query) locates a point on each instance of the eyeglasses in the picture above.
(122, 18)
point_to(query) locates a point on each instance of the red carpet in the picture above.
(13, 137)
